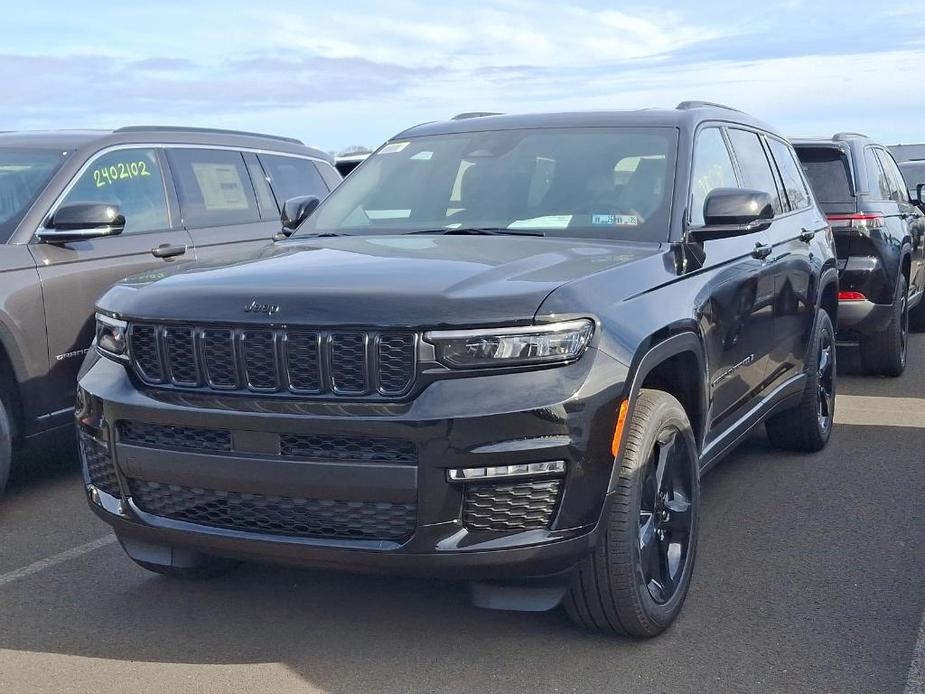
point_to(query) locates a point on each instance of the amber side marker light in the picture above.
(618, 432)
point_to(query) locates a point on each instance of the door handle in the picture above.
(165, 250)
(807, 235)
(762, 251)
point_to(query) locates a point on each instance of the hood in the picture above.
(398, 281)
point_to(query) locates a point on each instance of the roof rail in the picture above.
(475, 114)
(847, 135)
(687, 105)
(216, 131)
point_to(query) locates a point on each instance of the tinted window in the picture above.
(827, 171)
(330, 175)
(23, 175)
(213, 186)
(794, 183)
(754, 166)
(712, 169)
(913, 174)
(291, 177)
(878, 184)
(577, 182)
(130, 179)
(897, 184)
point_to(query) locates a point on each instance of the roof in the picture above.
(834, 141)
(75, 139)
(688, 115)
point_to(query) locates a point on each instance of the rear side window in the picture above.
(794, 183)
(893, 175)
(828, 173)
(754, 166)
(131, 180)
(291, 177)
(330, 175)
(878, 184)
(213, 186)
(712, 169)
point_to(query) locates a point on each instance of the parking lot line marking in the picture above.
(868, 410)
(54, 559)
(915, 680)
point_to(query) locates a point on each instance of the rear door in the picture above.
(793, 237)
(219, 201)
(74, 275)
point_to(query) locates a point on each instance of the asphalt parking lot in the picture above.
(809, 578)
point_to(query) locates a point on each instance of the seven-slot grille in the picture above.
(263, 360)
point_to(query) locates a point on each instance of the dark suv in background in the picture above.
(80, 210)
(504, 350)
(880, 238)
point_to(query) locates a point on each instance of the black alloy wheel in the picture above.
(665, 515)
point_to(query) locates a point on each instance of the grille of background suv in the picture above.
(260, 360)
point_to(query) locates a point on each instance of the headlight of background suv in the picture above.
(541, 344)
(111, 334)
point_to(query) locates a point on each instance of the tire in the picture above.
(211, 567)
(618, 588)
(808, 426)
(884, 354)
(6, 446)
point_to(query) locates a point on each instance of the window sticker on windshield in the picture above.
(552, 221)
(393, 147)
(623, 220)
(423, 156)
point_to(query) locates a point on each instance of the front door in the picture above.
(74, 275)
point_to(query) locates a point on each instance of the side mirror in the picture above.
(920, 194)
(729, 212)
(81, 221)
(295, 211)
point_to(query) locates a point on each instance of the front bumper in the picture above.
(353, 511)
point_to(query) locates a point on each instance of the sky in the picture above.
(337, 74)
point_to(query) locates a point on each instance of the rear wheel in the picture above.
(636, 580)
(6, 446)
(884, 354)
(808, 426)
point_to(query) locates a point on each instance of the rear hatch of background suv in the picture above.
(829, 170)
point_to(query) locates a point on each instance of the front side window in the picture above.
(131, 180)
(794, 183)
(23, 175)
(712, 169)
(579, 182)
(754, 165)
(213, 186)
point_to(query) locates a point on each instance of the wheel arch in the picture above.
(676, 365)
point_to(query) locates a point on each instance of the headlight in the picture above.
(111, 337)
(541, 344)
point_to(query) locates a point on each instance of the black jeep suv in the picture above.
(504, 350)
(880, 238)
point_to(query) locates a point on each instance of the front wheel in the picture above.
(635, 581)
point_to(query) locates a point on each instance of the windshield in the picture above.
(590, 182)
(23, 175)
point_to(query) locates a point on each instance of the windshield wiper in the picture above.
(475, 231)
